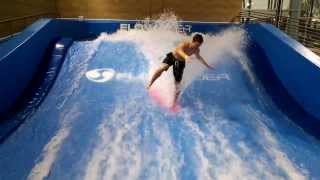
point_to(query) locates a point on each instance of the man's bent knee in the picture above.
(164, 67)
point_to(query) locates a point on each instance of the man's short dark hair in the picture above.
(197, 38)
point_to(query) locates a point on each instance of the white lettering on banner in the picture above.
(215, 77)
(125, 27)
(182, 28)
(138, 26)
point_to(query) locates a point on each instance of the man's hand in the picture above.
(200, 58)
(210, 67)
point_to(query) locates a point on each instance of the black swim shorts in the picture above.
(178, 66)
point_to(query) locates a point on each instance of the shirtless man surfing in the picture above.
(178, 58)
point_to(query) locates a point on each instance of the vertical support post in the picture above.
(309, 21)
(294, 13)
(249, 12)
(310, 15)
(278, 12)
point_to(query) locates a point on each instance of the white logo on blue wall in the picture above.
(100, 75)
(106, 74)
(215, 77)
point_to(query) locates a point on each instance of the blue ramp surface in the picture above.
(98, 122)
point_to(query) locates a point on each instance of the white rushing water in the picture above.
(109, 128)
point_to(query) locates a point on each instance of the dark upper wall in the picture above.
(15, 9)
(202, 10)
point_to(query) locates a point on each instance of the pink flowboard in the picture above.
(158, 98)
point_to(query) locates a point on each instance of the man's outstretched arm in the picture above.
(200, 58)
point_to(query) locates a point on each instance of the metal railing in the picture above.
(306, 30)
(11, 26)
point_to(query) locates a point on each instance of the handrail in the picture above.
(11, 29)
(268, 14)
(6, 20)
(306, 30)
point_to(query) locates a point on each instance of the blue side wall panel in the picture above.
(20, 57)
(38, 88)
(293, 64)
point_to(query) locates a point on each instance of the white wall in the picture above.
(263, 4)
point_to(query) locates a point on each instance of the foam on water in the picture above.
(214, 156)
(222, 132)
(76, 71)
(159, 38)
